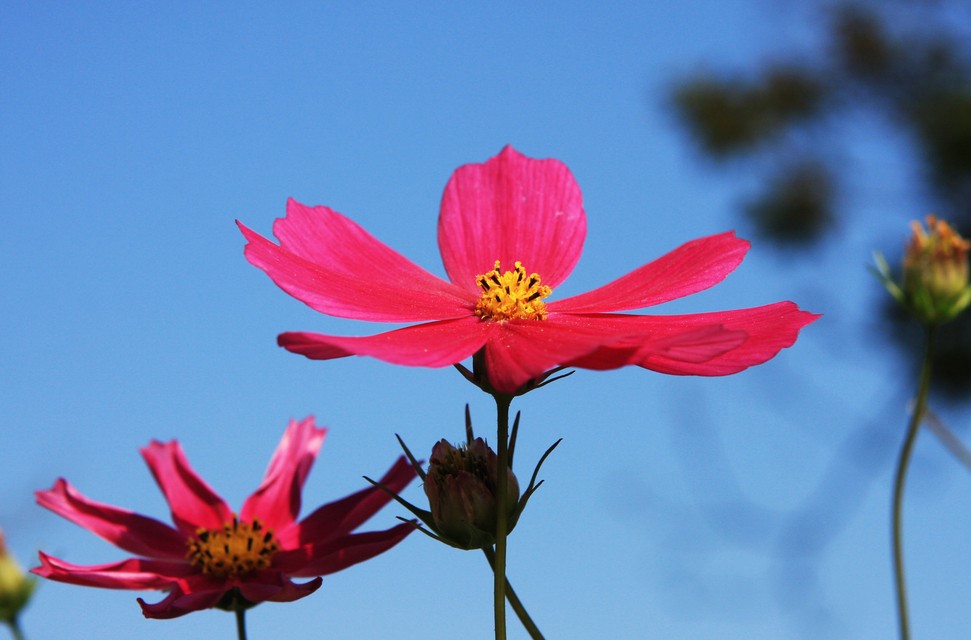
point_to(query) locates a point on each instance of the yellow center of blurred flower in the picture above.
(235, 550)
(936, 259)
(940, 241)
(511, 294)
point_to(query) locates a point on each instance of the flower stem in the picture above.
(18, 634)
(240, 622)
(502, 482)
(515, 602)
(898, 488)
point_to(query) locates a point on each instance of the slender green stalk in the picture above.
(502, 482)
(903, 463)
(18, 634)
(515, 602)
(240, 622)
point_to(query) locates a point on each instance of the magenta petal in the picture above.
(130, 531)
(433, 344)
(525, 349)
(343, 516)
(194, 504)
(511, 208)
(689, 345)
(177, 603)
(769, 329)
(272, 586)
(333, 265)
(315, 346)
(134, 573)
(340, 553)
(706, 344)
(692, 267)
(276, 503)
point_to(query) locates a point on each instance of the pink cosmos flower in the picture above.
(510, 231)
(213, 556)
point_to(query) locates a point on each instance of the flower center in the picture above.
(511, 294)
(236, 549)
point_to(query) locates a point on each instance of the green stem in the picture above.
(502, 482)
(898, 487)
(240, 622)
(515, 602)
(18, 634)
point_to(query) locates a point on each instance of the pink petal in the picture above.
(770, 329)
(511, 208)
(433, 344)
(692, 267)
(333, 265)
(272, 586)
(194, 504)
(696, 345)
(130, 531)
(134, 573)
(707, 344)
(343, 516)
(277, 500)
(177, 603)
(521, 350)
(340, 553)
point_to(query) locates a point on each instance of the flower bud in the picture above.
(15, 585)
(935, 281)
(461, 488)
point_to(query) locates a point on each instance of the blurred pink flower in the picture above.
(510, 231)
(213, 556)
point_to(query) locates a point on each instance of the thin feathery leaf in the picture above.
(414, 461)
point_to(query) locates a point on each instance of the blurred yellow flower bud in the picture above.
(15, 585)
(936, 261)
(935, 273)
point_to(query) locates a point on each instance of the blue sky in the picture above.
(754, 506)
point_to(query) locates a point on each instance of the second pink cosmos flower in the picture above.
(213, 556)
(510, 231)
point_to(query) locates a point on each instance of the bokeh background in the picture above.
(752, 506)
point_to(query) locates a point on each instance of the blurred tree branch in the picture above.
(913, 73)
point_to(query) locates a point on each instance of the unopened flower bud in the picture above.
(461, 489)
(935, 281)
(15, 585)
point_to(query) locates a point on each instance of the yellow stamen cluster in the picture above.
(235, 550)
(511, 294)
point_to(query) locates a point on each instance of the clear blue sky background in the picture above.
(133, 134)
